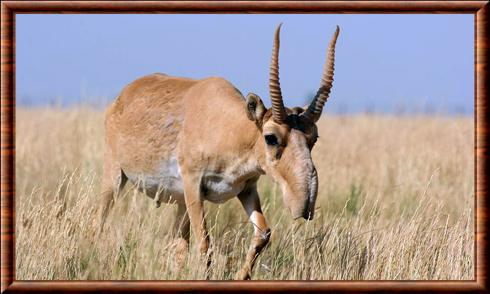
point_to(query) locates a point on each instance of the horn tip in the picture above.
(278, 28)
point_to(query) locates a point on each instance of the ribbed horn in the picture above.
(315, 108)
(278, 111)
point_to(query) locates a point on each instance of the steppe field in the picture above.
(395, 201)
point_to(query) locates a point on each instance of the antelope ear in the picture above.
(255, 108)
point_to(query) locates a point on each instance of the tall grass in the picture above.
(395, 202)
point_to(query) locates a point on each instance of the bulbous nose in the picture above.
(313, 191)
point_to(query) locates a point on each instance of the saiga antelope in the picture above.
(184, 141)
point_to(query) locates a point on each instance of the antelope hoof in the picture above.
(244, 274)
(206, 256)
(181, 250)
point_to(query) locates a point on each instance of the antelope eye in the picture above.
(271, 140)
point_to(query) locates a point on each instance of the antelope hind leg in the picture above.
(113, 181)
(182, 233)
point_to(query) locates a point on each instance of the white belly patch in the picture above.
(166, 185)
(166, 182)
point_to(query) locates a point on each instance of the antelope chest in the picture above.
(219, 188)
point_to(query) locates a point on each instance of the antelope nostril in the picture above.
(308, 212)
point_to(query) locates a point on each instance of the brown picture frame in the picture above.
(481, 47)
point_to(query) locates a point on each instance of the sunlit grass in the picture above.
(395, 202)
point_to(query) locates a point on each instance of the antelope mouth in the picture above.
(307, 213)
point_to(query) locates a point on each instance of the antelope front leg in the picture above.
(195, 210)
(251, 203)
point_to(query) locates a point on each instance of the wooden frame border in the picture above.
(10, 8)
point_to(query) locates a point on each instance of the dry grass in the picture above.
(395, 202)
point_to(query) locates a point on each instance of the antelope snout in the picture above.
(307, 210)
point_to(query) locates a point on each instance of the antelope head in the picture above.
(289, 134)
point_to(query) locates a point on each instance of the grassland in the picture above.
(395, 201)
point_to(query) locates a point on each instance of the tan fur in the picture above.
(135, 121)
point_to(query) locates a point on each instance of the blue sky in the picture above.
(383, 62)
